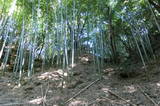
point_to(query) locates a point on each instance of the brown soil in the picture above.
(55, 88)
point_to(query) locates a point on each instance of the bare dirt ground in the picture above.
(81, 86)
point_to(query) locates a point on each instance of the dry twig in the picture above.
(82, 90)
(121, 98)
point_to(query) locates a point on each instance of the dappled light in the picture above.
(78, 102)
(109, 71)
(13, 7)
(130, 89)
(158, 84)
(85, 59)
(105, 90)
(55, 75)
(37, 101)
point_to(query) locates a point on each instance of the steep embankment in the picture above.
(77, 87)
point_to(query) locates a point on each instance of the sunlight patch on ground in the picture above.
(37, 101)
(158, 84)
(61, 72)
(130, 89)
(105, 90)
(78, 103)
(110, 71)
(85, 59)
(17, 86)
(55, 75)
(62, 84)
(8, 84)
(48, 75)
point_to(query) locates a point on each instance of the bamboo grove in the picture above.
(57, 31)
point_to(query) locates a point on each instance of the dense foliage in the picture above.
(56, 30)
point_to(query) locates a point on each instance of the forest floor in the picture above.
(82, 87)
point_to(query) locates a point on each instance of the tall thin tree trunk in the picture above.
(73, 35)
(112, 36)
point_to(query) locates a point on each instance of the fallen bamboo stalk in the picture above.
(82, 90)
(121, 98)
(15, 104)
(147, 96)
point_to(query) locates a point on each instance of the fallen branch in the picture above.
(147, 96)
(82, 90)
(122, 98)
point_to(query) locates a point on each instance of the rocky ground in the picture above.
(82, 86)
